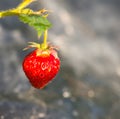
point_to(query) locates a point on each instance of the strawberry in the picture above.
(41, 65)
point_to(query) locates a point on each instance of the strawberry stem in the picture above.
(45, 37)
(44, 44)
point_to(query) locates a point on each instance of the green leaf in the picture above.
(39, 23)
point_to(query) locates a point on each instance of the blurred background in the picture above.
(87, 33)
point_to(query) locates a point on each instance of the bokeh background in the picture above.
(87, 33)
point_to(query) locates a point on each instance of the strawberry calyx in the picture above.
(42, 46)
(33, 45)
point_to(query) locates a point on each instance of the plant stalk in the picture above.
(44, 44)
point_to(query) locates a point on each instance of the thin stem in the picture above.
(44, 44)
(45, 37)
(24, 4)
(15, 11)
(20, 9)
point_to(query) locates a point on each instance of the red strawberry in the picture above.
(41, 66)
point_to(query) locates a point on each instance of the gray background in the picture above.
(87, 33)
